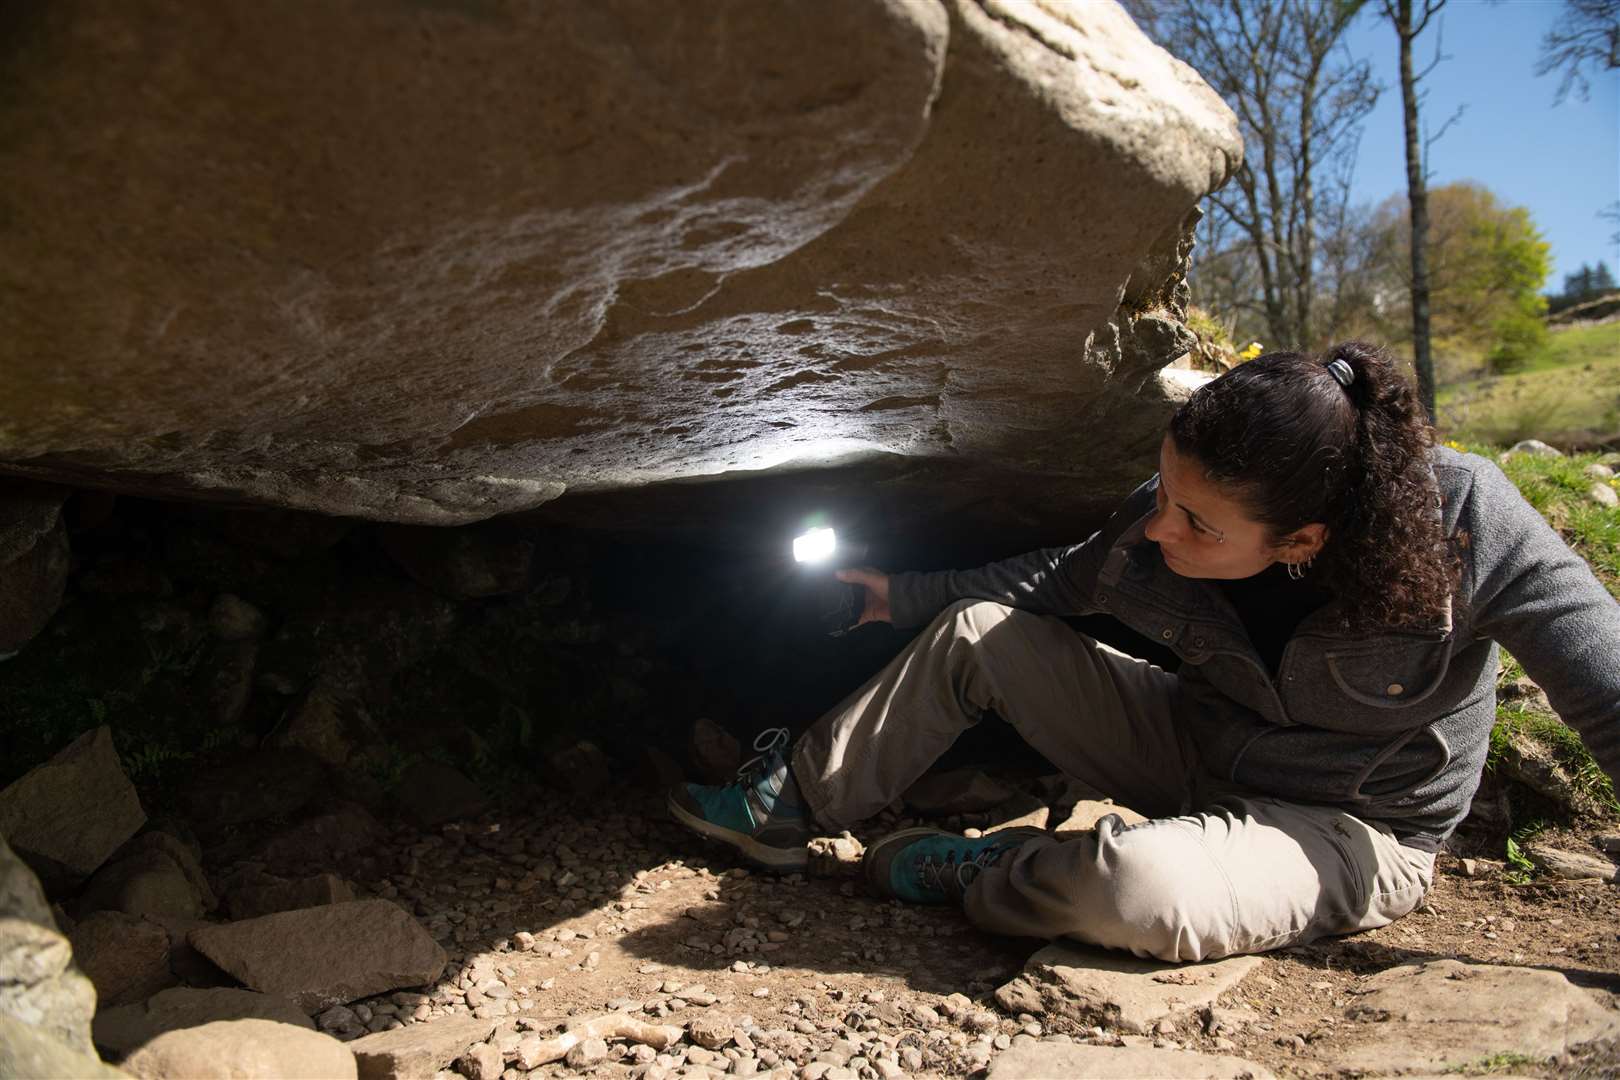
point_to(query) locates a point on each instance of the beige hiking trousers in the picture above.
(1213, 874)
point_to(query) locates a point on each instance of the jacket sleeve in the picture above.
(1052, 581)
(1541, 602)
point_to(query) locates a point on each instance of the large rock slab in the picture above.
(265, 894)
(126, 957)
(66, 816)
(39, 986)
(261, 1049)
(327, 955)
(1043, 1061)
(1442, 1015)
(147, 881)
(121, 1031)
(418, 1051)
(691, 239)
(1117, 990)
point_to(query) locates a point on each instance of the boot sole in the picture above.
(783, 860)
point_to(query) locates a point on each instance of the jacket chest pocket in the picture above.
(1390, 673)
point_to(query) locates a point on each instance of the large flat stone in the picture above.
(1117, 990)
(262, 1049)
(123, 1030)
(1445, 1014)
(328, 955)
(1044, 1061)
(671, 241)
(417, 1051)
(66, 816)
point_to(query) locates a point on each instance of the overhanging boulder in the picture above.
(430, 263)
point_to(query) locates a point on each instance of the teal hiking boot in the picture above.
(932, 866)
(762, 815)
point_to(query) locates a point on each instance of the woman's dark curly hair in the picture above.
(1281, 435)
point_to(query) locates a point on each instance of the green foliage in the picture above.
(1519, 868)
(1556, 487)
(1495, 1063)
(1519, 335)
(1487, 266)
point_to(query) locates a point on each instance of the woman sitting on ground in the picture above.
(1335, 586)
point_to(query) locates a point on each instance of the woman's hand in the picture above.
(877, 593)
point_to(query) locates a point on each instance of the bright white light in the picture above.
(815, 545)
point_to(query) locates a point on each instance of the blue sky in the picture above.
(1560, 161)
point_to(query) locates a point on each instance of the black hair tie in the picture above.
(1341, 371)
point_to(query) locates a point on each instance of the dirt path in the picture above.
(567, 911)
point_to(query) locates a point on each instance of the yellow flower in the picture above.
(1454, 444)
(1254, 350)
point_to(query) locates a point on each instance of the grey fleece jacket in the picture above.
(1391, 726)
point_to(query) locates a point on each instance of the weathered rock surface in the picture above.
(126, 957)
(434, 793)
(149, 881)
(27, 1051)
(419, 1050)
(39, 986)
(120, 1031)
(469, 562)
(957, 791)
(1442, 1015)
(1117, 990)
(262, 1049)
(66, 816)
(34, 559)
(1087, 812)
(714, 753)
(689, 240)
(266, 894)
(327, 955)
(268, 783)
(1572, 865)
(1042, 1061)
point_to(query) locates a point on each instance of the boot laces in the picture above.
(944, 875)
(769, 742)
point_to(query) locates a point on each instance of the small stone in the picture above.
(586, 1054)
(482, 1062)
(1602, 493)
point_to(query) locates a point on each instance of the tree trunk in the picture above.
(1417, 191)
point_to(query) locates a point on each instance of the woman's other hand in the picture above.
(876, 583)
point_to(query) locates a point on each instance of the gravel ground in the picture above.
(561, 912)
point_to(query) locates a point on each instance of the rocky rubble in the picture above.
(563, 940)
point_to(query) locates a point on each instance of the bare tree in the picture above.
(1300, 98)
(1587, 33)
(1410, 23)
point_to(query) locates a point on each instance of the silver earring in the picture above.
(1295, 571)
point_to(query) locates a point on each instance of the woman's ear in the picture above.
(1305, 542)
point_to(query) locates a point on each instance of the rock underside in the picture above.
(436, 262)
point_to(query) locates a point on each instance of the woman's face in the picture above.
(1203, 532)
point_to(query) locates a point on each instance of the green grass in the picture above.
(1566, 393)
(1557, 487)
(1577, 345)
(1495, 1063)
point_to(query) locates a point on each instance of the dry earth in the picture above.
(564, 911)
